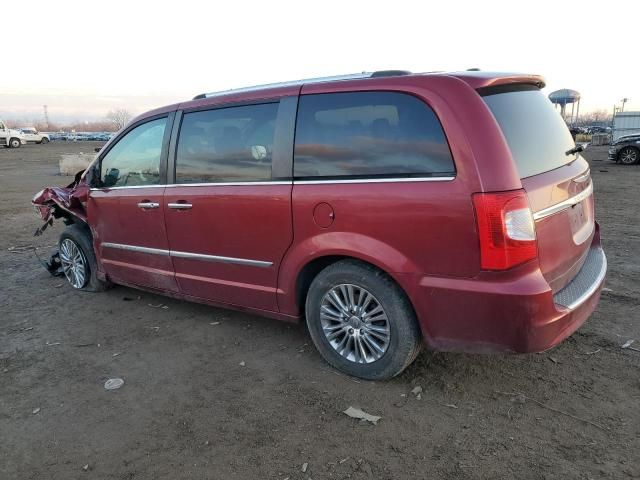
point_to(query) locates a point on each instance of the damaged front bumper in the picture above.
(68, 203)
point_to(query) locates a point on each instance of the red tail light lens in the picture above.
(506, 229)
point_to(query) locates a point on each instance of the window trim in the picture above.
(282, 156)
(163, 151)
(377, 178)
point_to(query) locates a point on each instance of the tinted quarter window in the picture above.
(233, 144)
(135, 159)
(537, 135)
(369, 134)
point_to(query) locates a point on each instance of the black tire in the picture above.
(15, 142)
(405, 339)
(44, 140)
(80, 236)
(629, 156)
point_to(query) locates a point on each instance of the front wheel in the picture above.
(15, 143)
(629, 156)
(78, 260)
(361, 321)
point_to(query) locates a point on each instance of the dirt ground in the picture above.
(189, 409)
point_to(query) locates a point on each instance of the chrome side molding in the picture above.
(135, 248)
(189, 255)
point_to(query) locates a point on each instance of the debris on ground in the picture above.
(36, 411)
(52, 344)
(242, 364)
(605, 289)
(417, 391)
(160, 305)
(627, 345)
(521, 398)
(116, 354)
(450, 405)
(214, 323)
(305, 465)
(591, 353)
(86, 467)
(113, 384)
(357, 413)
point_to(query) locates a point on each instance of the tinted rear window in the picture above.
(231, 144)
(537, 135)
(369, 134)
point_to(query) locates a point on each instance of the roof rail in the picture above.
(293, 83)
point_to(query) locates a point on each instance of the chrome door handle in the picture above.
(148, 205)
(179, 206)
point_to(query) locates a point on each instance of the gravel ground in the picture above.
(212, 394)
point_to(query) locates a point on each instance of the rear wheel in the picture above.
(44, 140)
(78, 260)
(629, 156)
(15, 143)
(361, 321)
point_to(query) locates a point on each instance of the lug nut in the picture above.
(351, 331)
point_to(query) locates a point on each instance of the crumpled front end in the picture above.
(68, 203)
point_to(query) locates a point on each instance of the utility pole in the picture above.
(46, 116)
(624, 100)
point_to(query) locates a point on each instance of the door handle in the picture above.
(148, 205)
(180, 206)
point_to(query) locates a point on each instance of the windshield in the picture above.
(537, 135)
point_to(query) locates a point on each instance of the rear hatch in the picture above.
(558, 184)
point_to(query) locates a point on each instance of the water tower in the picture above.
(563, 98)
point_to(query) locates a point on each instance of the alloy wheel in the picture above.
(355, 323)
(629, 156)
(74, 263)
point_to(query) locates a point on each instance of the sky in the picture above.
(84, 58)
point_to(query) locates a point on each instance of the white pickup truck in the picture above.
(33, 135)
(9, 137)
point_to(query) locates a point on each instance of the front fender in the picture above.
(327, 244)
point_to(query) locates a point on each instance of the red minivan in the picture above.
(389, 210)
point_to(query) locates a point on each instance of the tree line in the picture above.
(113, 121)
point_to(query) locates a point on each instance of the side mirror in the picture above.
(258, 152)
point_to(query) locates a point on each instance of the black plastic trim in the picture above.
(507, 88)
(173, 145)
(282, 158)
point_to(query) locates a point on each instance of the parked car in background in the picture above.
(626, 150)
(387, 210)
(58, 137)
(32, 135)
(10, 137)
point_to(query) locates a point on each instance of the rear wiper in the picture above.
(576, 149)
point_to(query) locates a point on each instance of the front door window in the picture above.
(135, 159)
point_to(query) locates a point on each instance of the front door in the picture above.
(126, 211)
(228, 216)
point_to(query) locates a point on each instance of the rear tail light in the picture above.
(506, 229)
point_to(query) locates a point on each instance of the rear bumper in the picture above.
(512, 311)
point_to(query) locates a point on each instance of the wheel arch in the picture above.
(298, 268)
